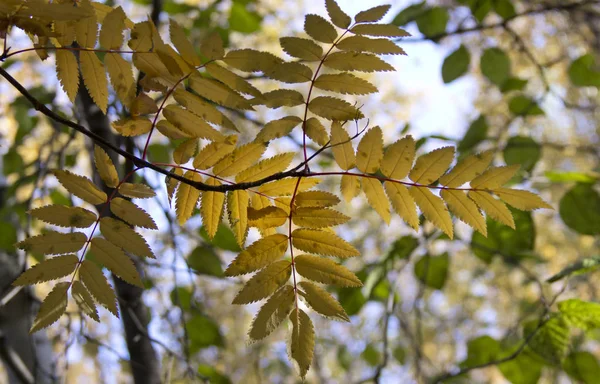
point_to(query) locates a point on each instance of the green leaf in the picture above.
(352, 300)
(504, 240)
(550, 341)
(205, 261)
(580, 209)
(214, 376)
(523, 369)
(433, 22)
(456, 64)
(203, 332)
(581, 314)
(243, 20)
(403, 248)
(371, 355)
(522, 150)
(504, 8)
(582, 366)
(524, 106)
(12, 162)
(8, 236)
(410, 13)
(481, 350)
(476, 133)
(433, 270)
(589, 264)
(181, 297)
(224, 238)
(513, 84)
(567, 177)
(480, 9)
(495, 65)
(399, 354)
(584, 72)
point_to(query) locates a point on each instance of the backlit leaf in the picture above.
(84, 300)
(52, 308)
(133, 126)
(272, 313)
(250, 60)
(106, 168)
(121, 77)
(494, 177)
(322, 242)
(136, 190)
(388, 30)
(232, 80)
(240, 159)
(218, 92)
(113, 258)
(203, 109)
(64, 216)
(122, 235)
(53, 243)
(332, 108)
(212, 153)
(266, 167)
(523, 200)
(111, 33)
(91, 276)
(467, 169)
(492, 207)
(275, 129)
(431, 166)
(365, 44)
(433, 208)
(376, 197)
(322, 302)
(191, 123)
(316, 131)
(183, 45)
(292, 73)
(211, 208)
(316, 199)
(267, 217)
(319, 29)
(259, 254)
(185, 151)
(372, 15)
(370, 151)
(336, 15)
(131, 213)
(356, 61)
(344, 83)
(398, 158)
(94, 78)
(67, 72)
(172, 183)
(312, 217)
(300, 48)
(350, 187)
(48, 269)
(80, 186)
(302, 345)
(341, 145)
(464, 209)
(212, 46)
(286, 187)
(283, 98)
(325, 271)
(403, 203)
(264, 282)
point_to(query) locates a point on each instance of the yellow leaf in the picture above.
(398, 158)
(267, 217)
(316, 199)
(94, 280)
(113, 258)
(350, 187)
(94, 78)
(322, 302)
(171, 131)
(67, 71)
(218, 93)
(250, 60)
(523, 200)
(319, 29)
(232, 80)
(337, 16)
(52, 308)
(464, 209)
(187, 198)
(203, 109)
(494, 208)
(431, 166)
(86, 31)
(258, 255)
(300, 48)
(106, 168)
(370, 151)
(365, 44)
(241, 158)
(102, 10)
(302, 344)
(211, 208)
(376, 197)
(265, 282)
(136, 190)
(356, 61)
(141, 37)
(283, 203)
(48, 269)
(467, 169)
(331, 108)
(84, 300)
(388, 30)
(403, 203)
(265, 168)
(292, 73)
(344, 83)
(133, 126)
(313, 217)
(212, 153)
(64, 216)
(286, 187)
(433, 209)
(278, 128)
(131, 213)
(282, 98)
(122, 235)
(272, 313)
(111, 33)
(191, 124)
(316, 131)
(143, 105)
(322, 243)
(185, 151)
(81, 187)
(53, 243)
(121, 77)
(212, 46)
(180, 41)
(65, 31)
(341, 145)
(372, 15)
(172, 183)
(237, 206)
(494, 177)
(153, 67)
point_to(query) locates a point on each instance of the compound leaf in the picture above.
(322, 243)
(265, 282)
(325, 271)
(48, 269)
(64, 216)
